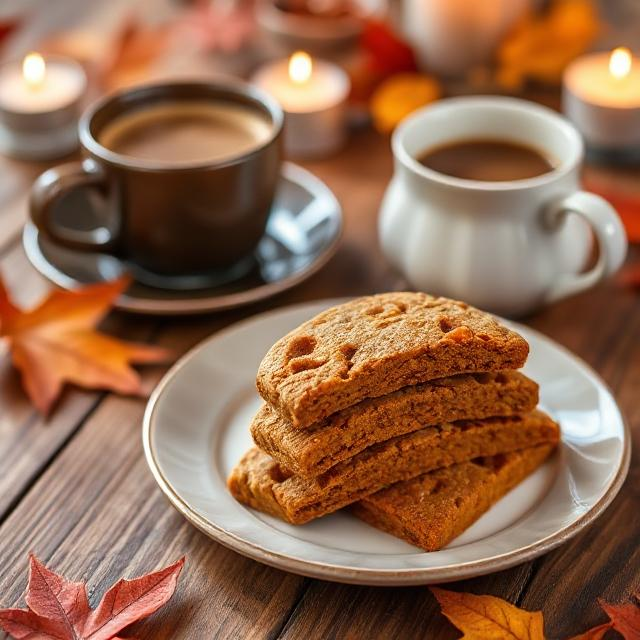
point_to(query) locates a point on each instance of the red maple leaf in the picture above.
(59, 610)
(382, 53)
(595, 633)
(387, 52)
(625, 618)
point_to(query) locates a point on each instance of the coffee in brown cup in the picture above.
(186, 174)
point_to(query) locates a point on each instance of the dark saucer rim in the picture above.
(187, 305)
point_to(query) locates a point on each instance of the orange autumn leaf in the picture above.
(136, 49)
(542, 45)
(56, 343)
(489, 618)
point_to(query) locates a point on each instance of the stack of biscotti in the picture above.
(410, 408)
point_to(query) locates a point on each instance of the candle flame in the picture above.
(300, 67)
(33, 70)
(620, 62)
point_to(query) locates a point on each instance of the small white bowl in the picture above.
(287, 31)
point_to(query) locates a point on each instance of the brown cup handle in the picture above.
(55, 183)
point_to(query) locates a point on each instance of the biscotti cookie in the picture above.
(262, 483)
(311, 451)
(375, 345)
(431, 510)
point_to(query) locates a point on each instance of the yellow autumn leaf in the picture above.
(489, 618)
(400, 95)
(541, 46)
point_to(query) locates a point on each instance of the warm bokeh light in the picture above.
(620, 62)
(300, 67)
(33, 70)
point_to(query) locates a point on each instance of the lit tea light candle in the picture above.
(601, 96)
(313, 94)
(40, 103)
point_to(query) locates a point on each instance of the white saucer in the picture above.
(196, 428)
(302, 234)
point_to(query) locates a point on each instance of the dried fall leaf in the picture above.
(489, 618)
(400, 95)
(541, 46)
(381, 54)
(595, 633)
(135, 49)
(55, 343)
(625, 618)
(387, 52)
(59, 610)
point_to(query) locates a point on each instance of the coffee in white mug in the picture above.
(487, 159)
(497, 236)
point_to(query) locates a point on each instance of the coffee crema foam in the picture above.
(187, 132)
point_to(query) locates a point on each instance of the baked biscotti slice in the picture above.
(431, 510)
(260, 482)
(311, 451)
(375, 345)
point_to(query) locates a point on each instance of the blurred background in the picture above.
(398, 55)
(494, 46)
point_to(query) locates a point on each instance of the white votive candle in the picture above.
(40, 100)
(601, 96)
(313, 94)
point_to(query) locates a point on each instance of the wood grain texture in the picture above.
(106, 518)
(27, 440)
(79, 493)
(75, 489)
(603, 327)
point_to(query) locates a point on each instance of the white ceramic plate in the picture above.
(196, 428)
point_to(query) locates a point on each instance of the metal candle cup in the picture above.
(601, 96)
(313, 94)
(40, 104)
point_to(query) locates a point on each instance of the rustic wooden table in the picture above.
(75, 489)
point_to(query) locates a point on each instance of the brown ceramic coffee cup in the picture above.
(196, 207)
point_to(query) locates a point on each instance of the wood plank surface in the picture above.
(77, 492)
(75, 488)
(27, 441)
(603, 327)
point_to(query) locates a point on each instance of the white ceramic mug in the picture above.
(508, 247)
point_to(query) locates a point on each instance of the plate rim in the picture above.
(193, 306)
(366, 576)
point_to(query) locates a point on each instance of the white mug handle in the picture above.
(609, 232)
